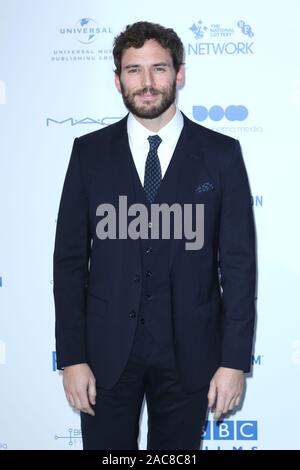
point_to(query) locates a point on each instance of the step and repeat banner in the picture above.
(57, 83)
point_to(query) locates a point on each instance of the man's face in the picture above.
(148, 80)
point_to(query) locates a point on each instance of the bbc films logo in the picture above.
(225, 432)
(221, 39)
(2, 92)
(84, 41)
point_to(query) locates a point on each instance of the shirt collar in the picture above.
(140, 133)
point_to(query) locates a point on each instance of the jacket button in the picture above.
(137, 278)
(148, 296)
(148, 250)
(142, 320)
(132, 314)
(148, 273)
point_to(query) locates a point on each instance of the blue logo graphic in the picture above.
(257, 200)
(86, 30)
(198, 30)
(73, 436)
(105, 121)
(54, 365)
(216, 113)
(257, 360)
(0, 281)
(230, 430)
(218, 39)
(245, 28)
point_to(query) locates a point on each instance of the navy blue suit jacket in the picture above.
(213, 289)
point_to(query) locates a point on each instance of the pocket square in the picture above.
(202, 188)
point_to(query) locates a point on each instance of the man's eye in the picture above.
(132, 70)
(160, 69)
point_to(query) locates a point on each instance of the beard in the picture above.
(149, 110)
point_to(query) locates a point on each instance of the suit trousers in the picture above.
(175, 417)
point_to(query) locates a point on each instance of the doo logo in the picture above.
(86, 30)
(216, 113)
(230, 430)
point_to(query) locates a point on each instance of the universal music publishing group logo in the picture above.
(85, 41)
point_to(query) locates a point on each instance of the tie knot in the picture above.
(154, 141)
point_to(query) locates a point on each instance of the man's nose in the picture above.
(147, 78)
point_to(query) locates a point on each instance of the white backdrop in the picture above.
(56, 83)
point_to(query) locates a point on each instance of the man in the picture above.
(145, 316)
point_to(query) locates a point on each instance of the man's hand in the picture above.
(225, 391)
(80, 387)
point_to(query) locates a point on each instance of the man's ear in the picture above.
(180, 76)
(117, 82)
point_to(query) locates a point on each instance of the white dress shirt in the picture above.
(139, 145)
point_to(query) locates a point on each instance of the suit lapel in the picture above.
(189, 162)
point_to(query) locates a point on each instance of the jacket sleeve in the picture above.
(237, 260)
(70, 266)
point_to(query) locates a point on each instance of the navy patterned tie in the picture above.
(152, 177)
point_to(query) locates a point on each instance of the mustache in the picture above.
(152, 90)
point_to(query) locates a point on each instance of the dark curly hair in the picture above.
(137, 34)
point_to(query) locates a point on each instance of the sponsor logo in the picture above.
(86, 30)
(257, 200)
(229, 430)
(216, 113)
(54, 364)
(72, 436)
(105, 121)
(92, 42)
(257, 360)
(209, 36)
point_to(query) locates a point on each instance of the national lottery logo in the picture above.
(219, 39)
